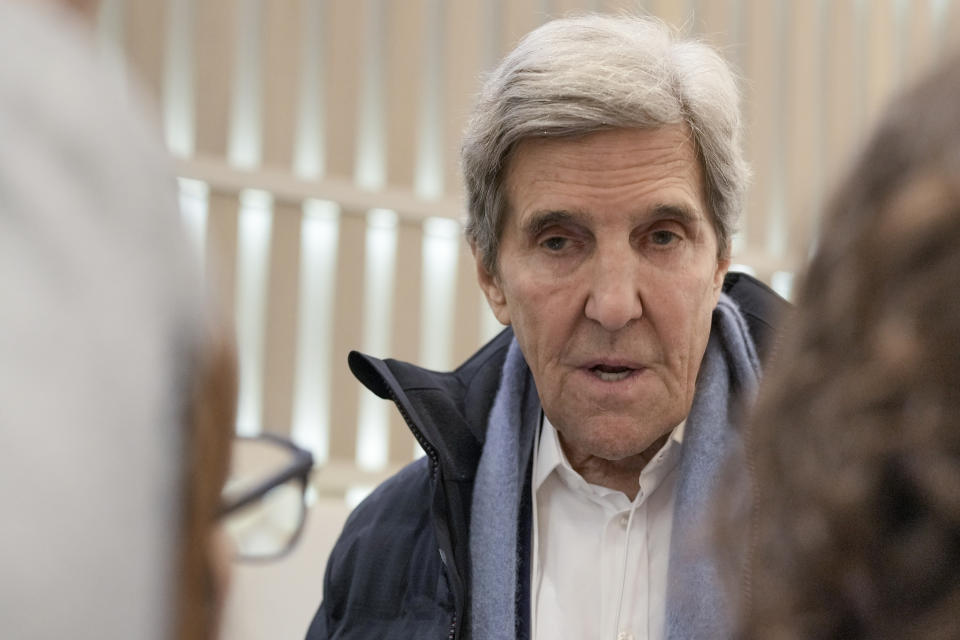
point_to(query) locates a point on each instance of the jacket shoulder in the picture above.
(385, 572)
(760, 305)
(448, 409)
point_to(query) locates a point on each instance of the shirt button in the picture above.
(624, 520)
(624, 635)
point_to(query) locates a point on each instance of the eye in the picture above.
(663, 238)
(555, 243)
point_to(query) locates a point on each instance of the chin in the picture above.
(622, 451)
(618, 441)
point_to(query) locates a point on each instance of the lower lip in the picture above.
(614, 379)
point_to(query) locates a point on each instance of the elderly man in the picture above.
(570, 461)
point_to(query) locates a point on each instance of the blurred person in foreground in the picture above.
(570, 462)
(116, 392)
(855, 445)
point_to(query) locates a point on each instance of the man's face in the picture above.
(608, 272)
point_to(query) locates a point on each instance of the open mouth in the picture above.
(611, 374)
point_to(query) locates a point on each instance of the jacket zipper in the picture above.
(453, 627)
(434, 466)
(427, 447)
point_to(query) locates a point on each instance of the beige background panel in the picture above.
(347, 334)
(560, 8)
(466, 330)
(883, 66)
(676, 12)
(404, 65)
(343, 37)
(223, 211)
(280, 76)
(714, 20)
(921, 39)
(215, 44)
(761, 110)
(841, 43)
(620, 6)
(310, 131)
(462, 64)
(406, 325)
(517, 18)
(144, 22)
(801, 126)
(283, 306)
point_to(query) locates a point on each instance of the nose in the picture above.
(614, 297)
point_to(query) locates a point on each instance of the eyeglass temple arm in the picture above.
(300, 467)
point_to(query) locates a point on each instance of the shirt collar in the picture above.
(550, 455)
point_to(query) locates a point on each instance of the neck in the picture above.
(620, 475)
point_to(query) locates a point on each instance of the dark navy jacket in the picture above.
(401, 569)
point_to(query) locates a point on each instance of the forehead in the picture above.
(618, 171)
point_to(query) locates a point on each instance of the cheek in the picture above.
(703, 324)
(534, 300)
(531, 326)
(690, 319)
(709, 282)
(544, 318)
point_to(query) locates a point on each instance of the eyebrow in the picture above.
(680, 213)
(542, 220)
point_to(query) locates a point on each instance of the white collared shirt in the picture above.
(581, 555)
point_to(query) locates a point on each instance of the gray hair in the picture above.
(577, 75)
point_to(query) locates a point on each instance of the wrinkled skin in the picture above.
(608, 271)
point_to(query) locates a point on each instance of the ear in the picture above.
(723, 264)
(492, 288)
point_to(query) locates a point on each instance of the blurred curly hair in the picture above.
(854, 446)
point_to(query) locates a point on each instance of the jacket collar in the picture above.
(446, 411)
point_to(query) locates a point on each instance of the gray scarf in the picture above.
(695, 604)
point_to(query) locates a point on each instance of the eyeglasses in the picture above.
(263, 505)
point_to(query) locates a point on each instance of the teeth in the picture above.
(612, 377)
